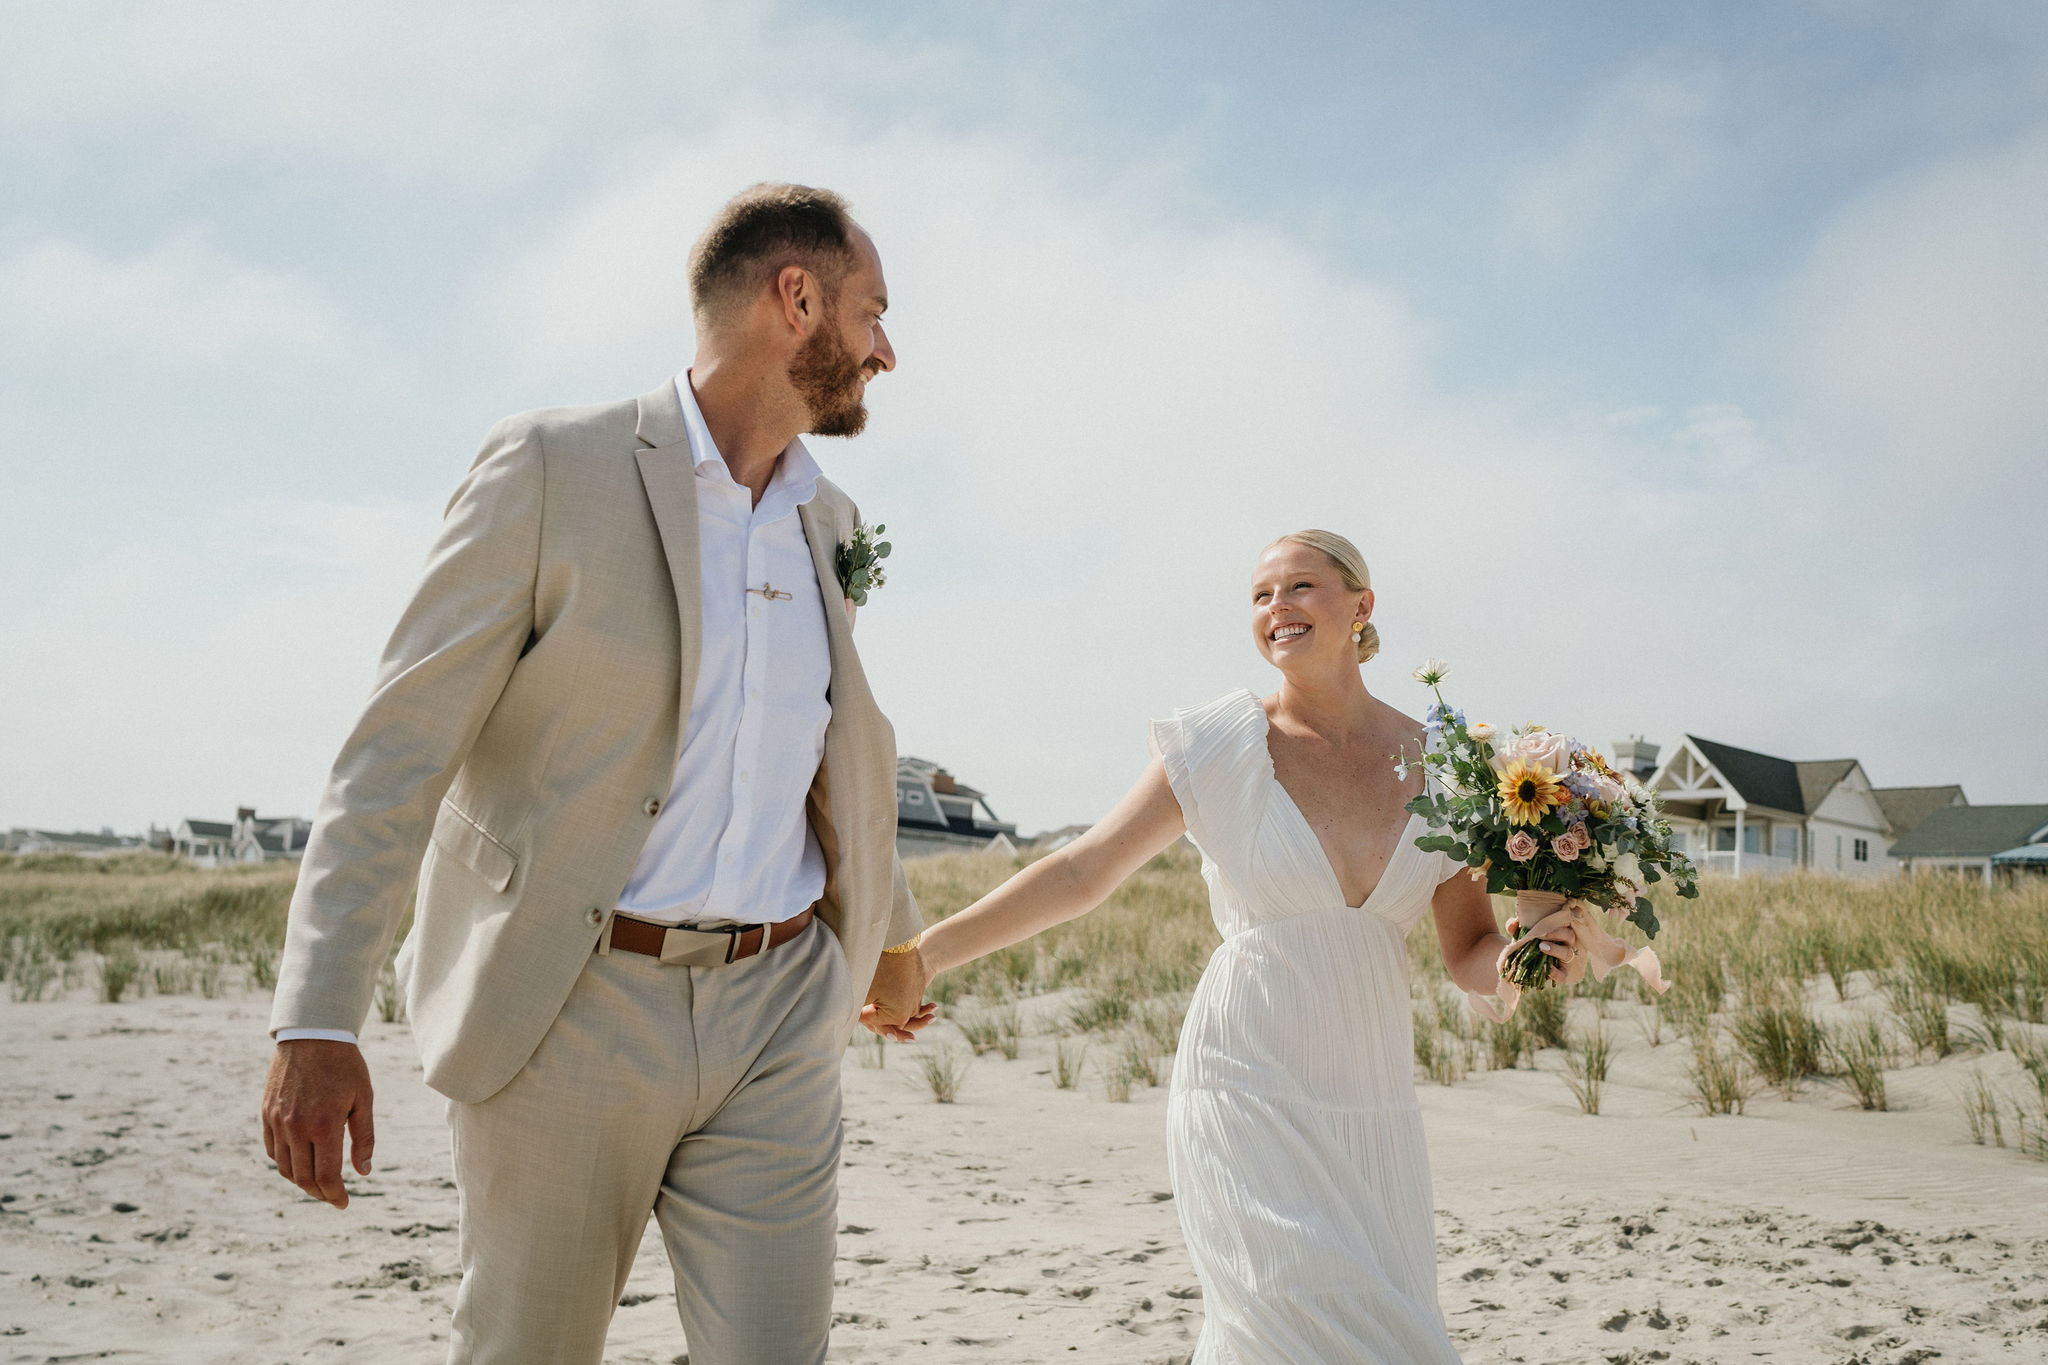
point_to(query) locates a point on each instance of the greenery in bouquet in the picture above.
(1535, 810)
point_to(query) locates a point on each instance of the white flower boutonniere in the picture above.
(860, 563)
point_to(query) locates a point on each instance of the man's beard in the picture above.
(829, 380)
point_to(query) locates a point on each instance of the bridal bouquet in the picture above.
(1543, 816)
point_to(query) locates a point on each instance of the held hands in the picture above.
(896, 1007)
(317, 1088)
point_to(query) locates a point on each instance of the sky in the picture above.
(1676, 367)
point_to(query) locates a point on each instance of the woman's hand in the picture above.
(1558, 937)
(896, 1007)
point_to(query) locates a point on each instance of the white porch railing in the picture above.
(1753, 864)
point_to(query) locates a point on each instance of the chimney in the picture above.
(244, 813)
(1636, 757)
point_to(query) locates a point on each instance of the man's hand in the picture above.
(317, 1088)
(896, 1007)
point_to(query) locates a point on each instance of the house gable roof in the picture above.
(1818, 777)
(210, 829)
(1905, 807)
(1972, 831)
(1760, 779)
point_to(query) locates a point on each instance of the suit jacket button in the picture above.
(596, 916)
(652, 805)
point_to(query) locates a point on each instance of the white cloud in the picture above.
(1102, 413)
(194, 667)
(1640, 139)
(180, 300)
(1919, 328)
(1111, 396)
(448, 100)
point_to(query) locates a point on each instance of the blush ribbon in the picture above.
(1547, 911)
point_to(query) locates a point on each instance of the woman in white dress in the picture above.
(1295, 1144)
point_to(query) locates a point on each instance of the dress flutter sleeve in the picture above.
(1218, 766)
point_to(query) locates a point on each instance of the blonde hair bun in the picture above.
(1350, 566)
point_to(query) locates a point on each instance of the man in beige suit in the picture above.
(622, 743)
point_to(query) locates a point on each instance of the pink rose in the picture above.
(1538, 746)
(1565, 847)
(1522, 846)
(1581, 836)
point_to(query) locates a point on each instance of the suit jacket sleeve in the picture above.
(906, 921)
(448, 660)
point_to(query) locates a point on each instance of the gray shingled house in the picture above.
(1981, 841)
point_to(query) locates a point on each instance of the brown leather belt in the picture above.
(688, 945)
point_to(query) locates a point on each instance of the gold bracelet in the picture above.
(908, 945)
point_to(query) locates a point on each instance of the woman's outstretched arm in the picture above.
(1066, 883)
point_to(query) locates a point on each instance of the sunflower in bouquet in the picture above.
(1539, 815)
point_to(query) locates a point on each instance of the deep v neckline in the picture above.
(1322, 853)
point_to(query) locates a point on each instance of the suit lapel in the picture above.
(670, 478)
(848, 680)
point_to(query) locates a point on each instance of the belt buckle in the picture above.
(732, 942)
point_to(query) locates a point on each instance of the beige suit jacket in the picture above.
(532, 699)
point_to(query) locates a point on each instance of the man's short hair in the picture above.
(758, 232)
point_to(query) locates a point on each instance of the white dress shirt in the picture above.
(732, 841)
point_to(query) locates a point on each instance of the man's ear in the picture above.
(797, 292)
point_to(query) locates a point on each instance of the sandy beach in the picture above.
(1024, 1222)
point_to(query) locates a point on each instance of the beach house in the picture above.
(249, 838)
(1977, 841)
(1745, 813)
(104, 844)
(937, 813)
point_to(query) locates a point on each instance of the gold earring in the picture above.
(1357, 630)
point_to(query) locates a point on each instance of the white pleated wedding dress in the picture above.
(1294, 1140)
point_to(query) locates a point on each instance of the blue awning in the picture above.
(2025, 853)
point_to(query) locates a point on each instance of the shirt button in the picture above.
(595, 916)
(745, 776)
(652, 805)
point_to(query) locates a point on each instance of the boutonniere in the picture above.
(860, 563)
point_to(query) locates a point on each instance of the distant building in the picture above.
(251, 838)
(1054, 839)
(936, 813)
(1979, 841)
(1907, 807)
(1745, 813)
(104, 844)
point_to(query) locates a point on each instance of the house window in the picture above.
(1752, 839)
(1724, 838)
(1785, 842)
(1863, 850)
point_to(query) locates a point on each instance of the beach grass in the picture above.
(1778, 981)
(1775, 981)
